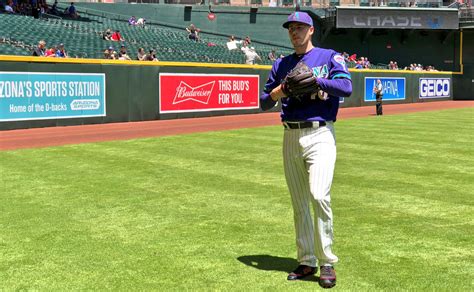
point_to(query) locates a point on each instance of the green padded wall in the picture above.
(132, 90)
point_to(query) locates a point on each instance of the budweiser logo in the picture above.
(201, 93)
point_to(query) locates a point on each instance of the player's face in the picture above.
(300, 34)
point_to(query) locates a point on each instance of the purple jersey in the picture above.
(332, 75)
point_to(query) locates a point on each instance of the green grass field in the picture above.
(211, 211)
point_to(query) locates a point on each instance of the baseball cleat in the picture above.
(301, 272)
(327, 278)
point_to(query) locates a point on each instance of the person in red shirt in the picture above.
(116, 37)
(50, 52)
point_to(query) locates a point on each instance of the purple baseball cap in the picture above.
(298, 16)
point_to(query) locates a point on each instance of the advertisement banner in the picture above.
(40, 96)
(391, 18)
(393, 88)
(435, 87)
(181, 93)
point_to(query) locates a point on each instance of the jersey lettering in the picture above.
(321, 71)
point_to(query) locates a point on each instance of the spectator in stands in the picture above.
(232, 43)
(36, 10)
(110, 53)
(132, 21)
(43, 7)
(346, 57)
(9, 7)
(123, 53)
(40, 49)
(193, 32)
(247, 39)
(24, 9)
(141, 54)
(123, 49)
(54, 8)
(107, 34)
(251, 56)
(114, 55)
(141, 22)
(361, 62)
(244, 47)
(393, 65)
(107, 53)
(272, 56)
(61, 52)
(367, 64)
(71, 11)
(124, 57)
(117, 37)
(51, 52)
(151, 56)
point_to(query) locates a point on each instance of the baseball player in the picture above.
(308, 83)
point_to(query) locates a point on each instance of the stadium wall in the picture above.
(436, 48)
(132, 89)
(464, 89)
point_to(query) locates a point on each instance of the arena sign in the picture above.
(398, 18)
(435, 87)
(40, 96)
(394, 88)
(207, 92)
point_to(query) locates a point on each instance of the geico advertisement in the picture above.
(207, 92)
(435, 87)
(39, 96)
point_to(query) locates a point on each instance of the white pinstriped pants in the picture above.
(309, 157)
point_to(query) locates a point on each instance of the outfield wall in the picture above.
(37, 92)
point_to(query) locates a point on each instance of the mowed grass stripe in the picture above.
(411, 196)
(215, 207)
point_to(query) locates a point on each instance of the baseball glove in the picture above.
(300, 81)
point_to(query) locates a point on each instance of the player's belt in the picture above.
(303, 125)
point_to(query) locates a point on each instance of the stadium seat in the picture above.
(84, 39)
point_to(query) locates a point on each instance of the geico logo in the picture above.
(434, 87)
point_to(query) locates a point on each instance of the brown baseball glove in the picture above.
(300, 81)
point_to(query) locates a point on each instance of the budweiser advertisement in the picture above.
(207, 92)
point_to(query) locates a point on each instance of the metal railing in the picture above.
(466, 15)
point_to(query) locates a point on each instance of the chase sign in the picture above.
(396, 18)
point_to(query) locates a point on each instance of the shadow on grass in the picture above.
(272, 263)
